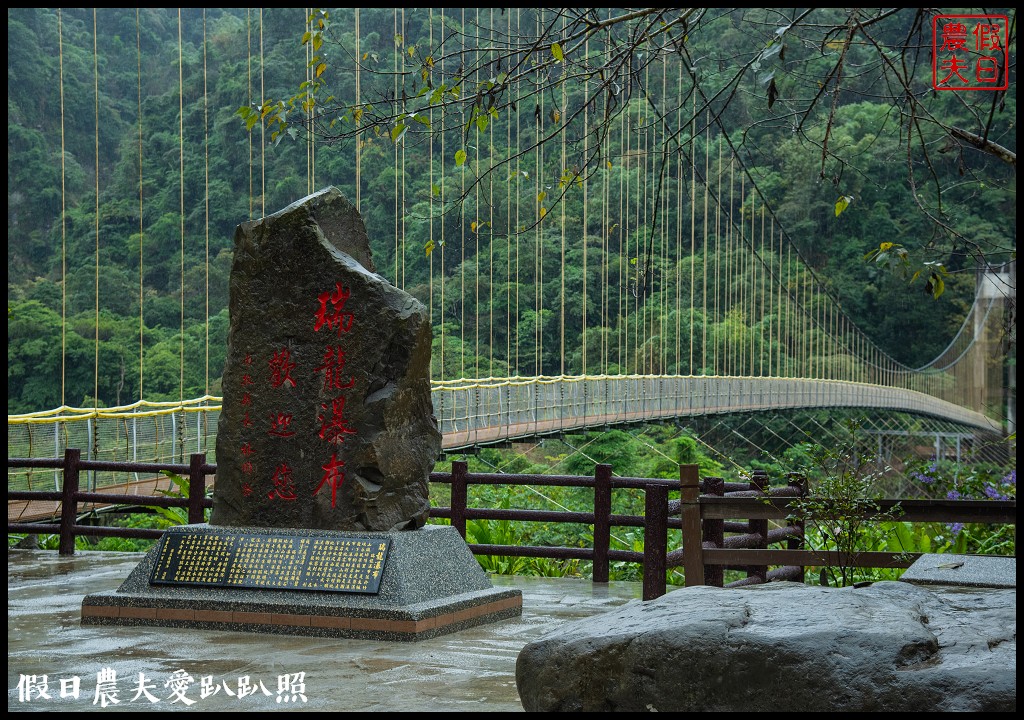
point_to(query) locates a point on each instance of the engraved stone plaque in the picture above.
(273, 562)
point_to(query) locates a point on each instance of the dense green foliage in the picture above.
(138, 269)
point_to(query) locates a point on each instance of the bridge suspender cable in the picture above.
(434, 374)
(181, 201)
(206, 198)
(442, 184)
(462, 228)
(248, 77)
(563, 196)
(263, 142)
(96, 283)
(511, 369)
(521, 262)
(586, 225)
(359, 99)
(142, 244)
(704, 246)
(63, 223)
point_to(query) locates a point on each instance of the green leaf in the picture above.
(556, 50)
(460, 158)
(429, 247)
(398, 132)
(842, 203)
(320, 69)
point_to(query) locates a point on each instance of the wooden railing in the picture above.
(705, 513)
(71, 496)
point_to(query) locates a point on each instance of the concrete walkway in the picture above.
(211, 671)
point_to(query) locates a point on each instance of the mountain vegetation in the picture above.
(129, 167)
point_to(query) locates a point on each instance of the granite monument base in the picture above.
(430, 585)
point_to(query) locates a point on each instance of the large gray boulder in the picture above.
(327, 421)
(888, 647)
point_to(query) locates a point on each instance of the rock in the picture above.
(783, 647)
(327, 421)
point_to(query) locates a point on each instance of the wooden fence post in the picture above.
(713, 533)
(602, 521)
(196, 489)
(69, 502)
(460, 469)
(693, 550)
(759, 528)
(800, 483)
(655, 540)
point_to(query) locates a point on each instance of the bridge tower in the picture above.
(997, 284)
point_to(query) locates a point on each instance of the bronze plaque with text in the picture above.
(273, 562)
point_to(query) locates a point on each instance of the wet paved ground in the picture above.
(469, 671)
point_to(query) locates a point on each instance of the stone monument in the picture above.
(325, 444)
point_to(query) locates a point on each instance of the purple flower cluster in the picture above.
(992, 492)
(954, 495)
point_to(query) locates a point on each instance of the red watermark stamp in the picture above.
(970, 52)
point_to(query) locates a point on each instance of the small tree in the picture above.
(841, 504)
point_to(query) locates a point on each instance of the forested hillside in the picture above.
(129, 169)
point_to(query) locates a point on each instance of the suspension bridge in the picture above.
(653, 286)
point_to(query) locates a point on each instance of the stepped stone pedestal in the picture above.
(431, 585)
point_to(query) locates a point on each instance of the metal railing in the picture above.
(469, 413)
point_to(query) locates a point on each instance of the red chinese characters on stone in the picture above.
(335, 427)
(334, 317)
(333, 476)
(333, 367)
(247, 451)
(281, 366)
(284, 487)
(280, 425)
